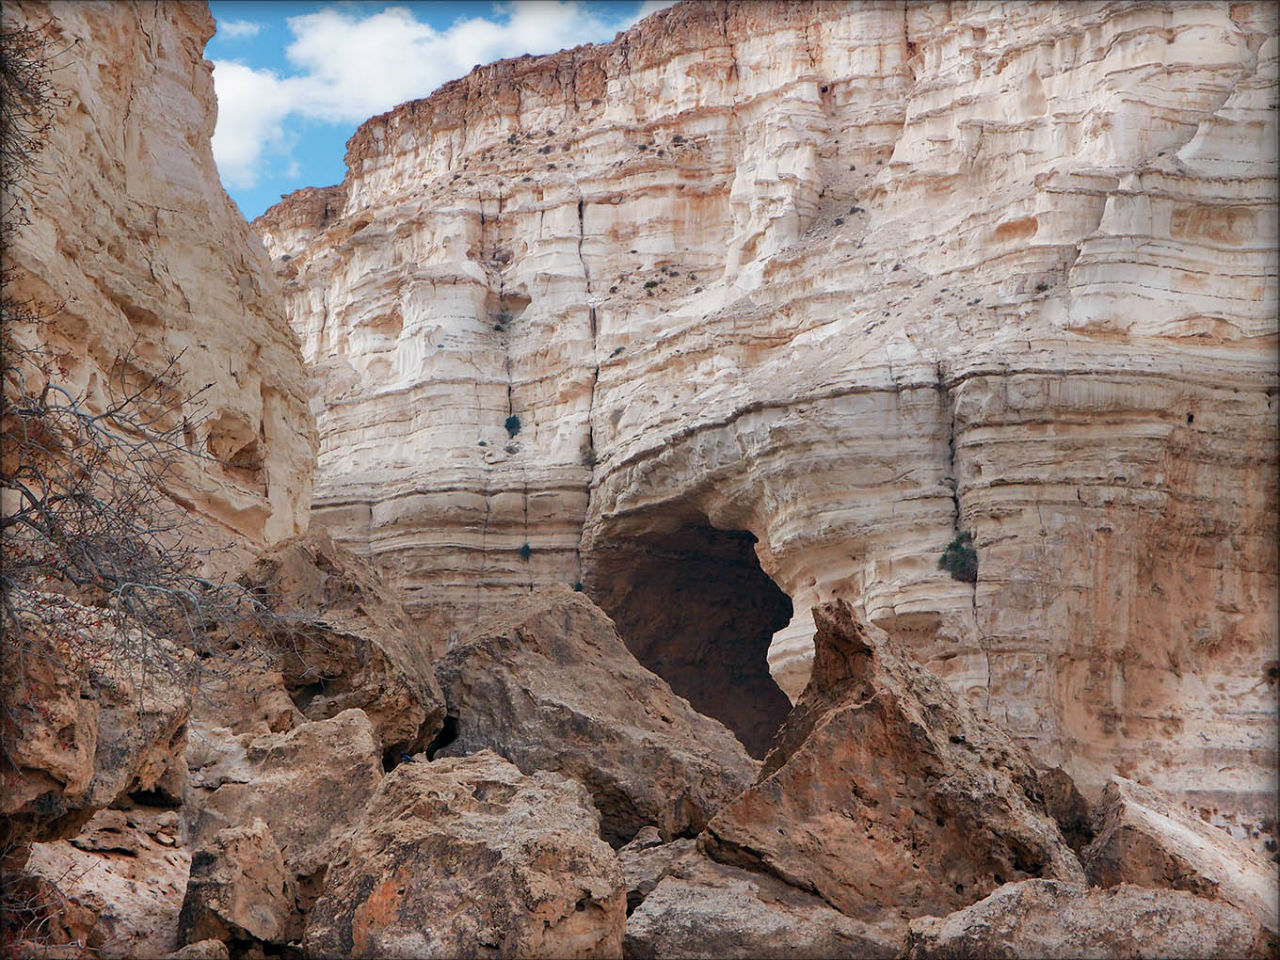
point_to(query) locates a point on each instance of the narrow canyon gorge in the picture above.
(797, 480)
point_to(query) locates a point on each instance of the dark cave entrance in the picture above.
(695, 607)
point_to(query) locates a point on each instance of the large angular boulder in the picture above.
(116, 887)
(468, 857)
(886, 794)
(309, 786)
(1049, 919)
(551, 686)
(707, 909)
(1143, 837)
(239, 889)
(94, 709)
(339, 639)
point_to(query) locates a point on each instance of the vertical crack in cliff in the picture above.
(589, 453)
(953, 481)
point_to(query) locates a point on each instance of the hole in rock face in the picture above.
(695, 607)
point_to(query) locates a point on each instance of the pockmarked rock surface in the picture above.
(707, 909)
(1144, 838)
(468, 857)
(138, 255)
(340, 639)
(851, 279)
(93, 711)
(886, 794)
(1064, 921)
(309, 785)
(239, 889)
(116, 886)
(551, 686)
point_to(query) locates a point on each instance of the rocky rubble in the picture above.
(468, 857)
(551, 686)
(886, 794)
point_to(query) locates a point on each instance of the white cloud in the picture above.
(232, 29)
(348, 67)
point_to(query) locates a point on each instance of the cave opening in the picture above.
(694, 606)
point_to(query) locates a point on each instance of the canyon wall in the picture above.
(137, 255)
(840, 281)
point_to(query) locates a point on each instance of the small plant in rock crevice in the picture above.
(526, 552)
(512, 423)
(960, 559)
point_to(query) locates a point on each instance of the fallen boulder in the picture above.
(551, 686)
(93, 711)
(646, 860)
(468, 857)
(707, 909)
(1049, 919)
(886, 794)
(309, 786)
(340, 639)
(116, 887)
(240, 889)
(1145, 838)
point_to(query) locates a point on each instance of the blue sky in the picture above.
(295, 79)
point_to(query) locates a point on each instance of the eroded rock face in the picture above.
(340, 640)
(93, 710)
(116, 887)
(133, 238)
(551, 686)
(708, 909)
(852, 279)
(1046, 918)
(239, 889)
(1144, 838)
(309, 786)
(468, 857)
(886, 794)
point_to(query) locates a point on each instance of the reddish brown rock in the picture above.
(1049, 919)
(550, 686)
(239, 889)
(887, 795)
(468, 857)
(1144, 838)
(707, 909)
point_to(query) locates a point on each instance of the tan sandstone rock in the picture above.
(1064, 921)
(116, 887)
(708, 909)
(341, 640)
(886, 794)
(646, 860)
(93, 711)
(309, 785)
(132, 237)
(467, 857)
(849, 278)
(1144, 838)
(239, 889)
(550, 686)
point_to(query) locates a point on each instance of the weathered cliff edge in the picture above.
(850, 278)
(137, 252)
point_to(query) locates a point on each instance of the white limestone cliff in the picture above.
(852, 279)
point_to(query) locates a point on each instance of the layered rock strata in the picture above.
(125, 239)
(851, 279)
